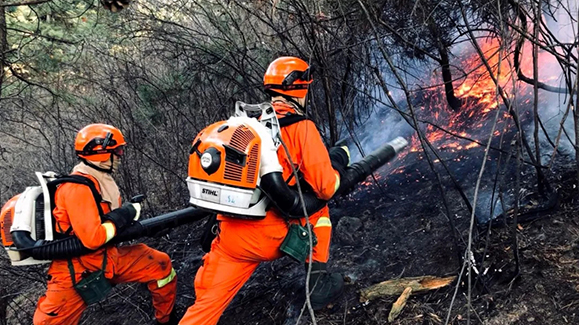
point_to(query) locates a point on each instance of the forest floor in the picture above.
(398, 230)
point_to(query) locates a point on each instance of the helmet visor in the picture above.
(295, 75)
(119, 151)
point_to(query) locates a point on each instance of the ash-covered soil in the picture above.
(400, 229)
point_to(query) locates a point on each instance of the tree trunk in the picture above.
(453, 102)
(331, 111)
(576, 117)
(3, 44)
(537, 12)
(576, 120)
(3, 305)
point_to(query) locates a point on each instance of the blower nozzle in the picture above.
(358, 171)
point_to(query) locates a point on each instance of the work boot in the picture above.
(325, 287)
(173, 319)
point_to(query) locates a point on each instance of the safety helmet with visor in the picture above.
(288, 76)
(97, 142)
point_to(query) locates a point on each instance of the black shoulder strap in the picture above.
(77, 179)
(291, 119)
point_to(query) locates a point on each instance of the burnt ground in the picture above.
(403, 231)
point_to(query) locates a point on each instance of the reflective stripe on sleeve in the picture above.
(163, 282)
(110, 230)
(337, 186)
(347, 153)
(323, 222)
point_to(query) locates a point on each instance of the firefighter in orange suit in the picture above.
(100, 148)
(242, 244)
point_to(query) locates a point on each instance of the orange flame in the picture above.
(478, 93)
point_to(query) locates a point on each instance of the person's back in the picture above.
(95, 218)
(308, 154)
(71, 201)
(241, 245)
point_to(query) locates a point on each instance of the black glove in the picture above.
(340, 158)
(122, 217)
(115, 5)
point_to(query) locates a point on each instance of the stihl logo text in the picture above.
(209, 192)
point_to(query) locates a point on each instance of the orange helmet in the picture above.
(97, 142)
(288, 76)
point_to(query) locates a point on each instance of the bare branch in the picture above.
(24, 3)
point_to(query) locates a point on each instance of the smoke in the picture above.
(553, 106)
(489, 205)
(385, 123)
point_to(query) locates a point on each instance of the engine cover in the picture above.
(228, 158)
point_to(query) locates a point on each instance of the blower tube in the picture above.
(358, 171)
(70, 247)
(48, 249)
(288, 200)
(273, 184)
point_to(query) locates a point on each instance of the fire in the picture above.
(478, 85)
(454, 132)
(477, 92)
(471, 145)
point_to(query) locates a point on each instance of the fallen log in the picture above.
(397, 286)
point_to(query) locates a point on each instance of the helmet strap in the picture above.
(105, 170)
(301, 109)
(290, 100)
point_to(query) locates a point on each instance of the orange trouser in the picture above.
(138, 263)
(236, 252)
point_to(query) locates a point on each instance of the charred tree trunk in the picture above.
(453, 102)
(576, 120)
(442, 48)
(346, 104)
(3, 43)
(576, 115)
(333, 124)
(537, 12)
(3, 305)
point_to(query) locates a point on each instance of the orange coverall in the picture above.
(75, 206)
(242, 244)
